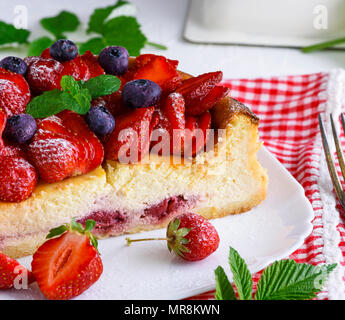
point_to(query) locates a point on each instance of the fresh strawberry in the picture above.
(208, 101)
(143, 59)
(195, 89)
(43, 74)
(77, 68)
(130, 140)
(18, 179)
(196, 134)
(113, 102)
(92, 62)
(3, 119)
(190, 236)
(68, 263)
(14, 92)
(161, 71)
(10, 269)
(64, 146)
(45, 54)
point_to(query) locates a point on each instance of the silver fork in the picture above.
(331, 167)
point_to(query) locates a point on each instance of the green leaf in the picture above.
(57, 231)
(95, 45)
(38, 45)
(64, 22)
(224, 289)
(242, 277)
(124, 31)
(102, 85)
(76, 226)
(89, 225)
(93, 240)
(96, 22)
(288, 280)
(45, 105)
(10, 34)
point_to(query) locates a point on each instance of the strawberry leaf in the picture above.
(10, 34)
(288, 280)
(125, 31)
(242, 277)
(58, 231)
(38, 45)
(224, 289)
(64, 22)
(98, 17)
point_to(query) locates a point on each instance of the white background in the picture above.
(163, 21)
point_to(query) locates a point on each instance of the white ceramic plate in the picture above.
(147, 270)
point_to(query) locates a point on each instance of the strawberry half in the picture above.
(3, 119)
(159, 70)
(10, 271)
(91, 61)
(64, 146)
(68, 263)
(14, 93)
(195, 89)
(130, 140)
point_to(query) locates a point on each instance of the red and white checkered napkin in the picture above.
(288, 108)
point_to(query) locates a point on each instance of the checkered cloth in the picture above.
(288, 108)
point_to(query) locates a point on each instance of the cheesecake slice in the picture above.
(128, 198)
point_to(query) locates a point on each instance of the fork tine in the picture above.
(332, 171)
(338, 147)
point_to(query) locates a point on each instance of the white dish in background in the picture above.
(146, 270)
(292, 23)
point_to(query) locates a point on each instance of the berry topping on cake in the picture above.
(190, 236)
(141, 93)
(114, 60)
(77, 68)
(68, 263)
(158, 69)
(10, 271)
(14, 64)
(64, 146)
(3, 119)
(100, 121)
(18, 179)
(14, 92)
(194, 90)
(43, 74)
(20, 128)
(92, 63)
(63, 50)
(130, 141)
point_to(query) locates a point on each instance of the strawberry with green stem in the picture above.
(189, 236)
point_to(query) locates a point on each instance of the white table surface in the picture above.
(163, 22)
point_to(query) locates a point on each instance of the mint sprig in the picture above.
(38, 45)
(10, 34)
(283, 280)
(74, 95)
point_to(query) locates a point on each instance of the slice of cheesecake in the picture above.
(128, 198)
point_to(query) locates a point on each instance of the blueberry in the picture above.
(20, 128)
(100, 120)
(63, 50)
(114, 60)
(141, 93)
(14, 64)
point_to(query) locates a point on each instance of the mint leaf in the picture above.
(64, 22)
(96, 22)
(46, 105)
(242, 277)
(37, 46)
(288, 280)
(95, 45)
(57, 231)
(124, 31)
(102, 85)
(10, 34)
(224, 289)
